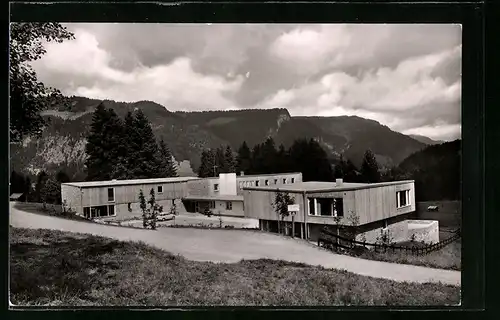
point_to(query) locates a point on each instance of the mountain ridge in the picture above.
(188, 133)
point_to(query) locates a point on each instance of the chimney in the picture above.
(339, 182)
(242, 173)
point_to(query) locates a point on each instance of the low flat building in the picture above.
(224, 194)
(119, 199)
(375, 207)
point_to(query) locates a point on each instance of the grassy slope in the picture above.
(57, 268)
(448, 257)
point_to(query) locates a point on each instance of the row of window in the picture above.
(111, 193)
(329, 207)
(99, 211)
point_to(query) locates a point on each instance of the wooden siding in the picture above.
(380, 203)
(130, 193)
(370, 205)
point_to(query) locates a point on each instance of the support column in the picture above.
(315, 206)
(302, 231)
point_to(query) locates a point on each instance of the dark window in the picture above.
(111, 194)
(111, 210)
(229, 205)
(129, 207)
(216, 187)
(325, 206)
(86, 212)
(293, 180)
(160, 189)
(275, 181)
(284, 180)
(267, 182)
(338, 207)
(257, 183)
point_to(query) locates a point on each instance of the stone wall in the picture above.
(423, 230)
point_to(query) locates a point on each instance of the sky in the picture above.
(407, 77)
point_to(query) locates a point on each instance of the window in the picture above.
(160, 189)
(312, 206)
(129, 207)
(403, 198)
(267, 182)
(284, 180)
(229, 205)
(325, 206)
(216, 187)
(293, 180)
(86, 212)
(111, 194)
(257, 183)
(338, 207)
(111, 210)
(275, 181)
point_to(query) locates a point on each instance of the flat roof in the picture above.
(322, 186)
(221, 197)
(261, 175)
(89, 184)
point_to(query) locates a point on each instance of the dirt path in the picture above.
(232, 245)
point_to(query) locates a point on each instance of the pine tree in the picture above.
(243, 158)
(220, 161)
(230, 163)
(102, 144)
(269, 156)
(40, 183)
(369, 168)
(142, 159)
(207, 164)
(283, 160)
(62, 177)
(351, 172)
(168, 167)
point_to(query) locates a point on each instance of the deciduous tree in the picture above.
(28, 96)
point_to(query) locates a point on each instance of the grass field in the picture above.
(56, 268)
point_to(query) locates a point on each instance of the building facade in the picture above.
(224, 194)
(119, 199)
(371, 207)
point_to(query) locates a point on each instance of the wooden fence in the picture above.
(330, 240)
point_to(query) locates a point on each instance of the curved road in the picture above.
(231, 246)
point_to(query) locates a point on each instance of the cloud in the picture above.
(407, 77)
(175, 84)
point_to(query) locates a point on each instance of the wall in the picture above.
(424, 230)
(379, 203)
(71, 195)
(449, 214)
(202, 187)
(237, 208)
(227, 183)
(250, 181)
(398, 232)
(259, 205)
(125, 194)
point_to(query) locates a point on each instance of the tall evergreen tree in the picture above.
(283, 160)
(220, 161)
(168, 168)
(243, 158)
(351, 172)
(40, 183)
(142, 160)
(102, 143)
(207, 164)
(230, 163)
(369, 168)
(311, 159)
(257, 165)
(269, 156)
